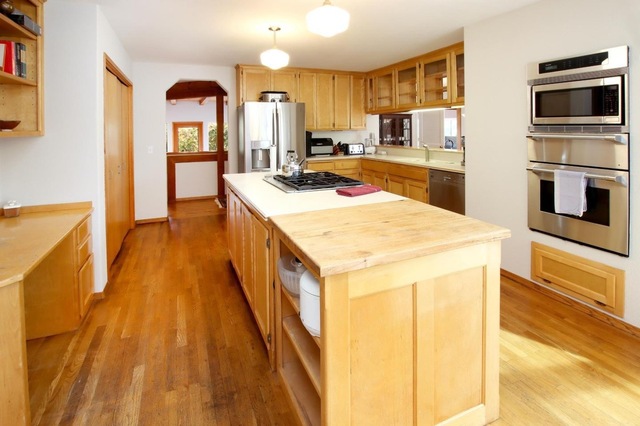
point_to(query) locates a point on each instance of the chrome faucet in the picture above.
(426, 152)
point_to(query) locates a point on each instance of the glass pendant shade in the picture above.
(327, 20)
(274, 58)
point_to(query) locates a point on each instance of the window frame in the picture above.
(177, 125)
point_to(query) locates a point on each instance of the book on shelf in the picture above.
(14, 58)
(9, 63)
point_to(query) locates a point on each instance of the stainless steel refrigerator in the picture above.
(266, 131)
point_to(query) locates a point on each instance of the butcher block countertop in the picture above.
(352, 238)
(27, 239)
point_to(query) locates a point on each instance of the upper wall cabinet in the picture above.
(334, 100)
(21, 89)
(435, 79)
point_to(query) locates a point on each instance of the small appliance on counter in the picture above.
(355, 149)
(319, 146)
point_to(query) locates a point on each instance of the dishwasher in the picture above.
(446, 190)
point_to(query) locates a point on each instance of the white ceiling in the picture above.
(230, 32)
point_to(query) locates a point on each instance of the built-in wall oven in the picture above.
(578, 110)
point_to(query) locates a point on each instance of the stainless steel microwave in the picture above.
(586, 90)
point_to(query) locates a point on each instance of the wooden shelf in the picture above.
(6, 78)
(8, 28)
(301, 392)
(305, 347)
(293, 300)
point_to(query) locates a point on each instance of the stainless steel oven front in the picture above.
(604, 160)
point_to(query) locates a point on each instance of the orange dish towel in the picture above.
(354, 191)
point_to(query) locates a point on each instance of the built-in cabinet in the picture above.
(22, 98)
(249, 248)
(408, 181)
(334, 100)
(349, 167)
(435, 79)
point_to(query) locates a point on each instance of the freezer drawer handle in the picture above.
(619, 179)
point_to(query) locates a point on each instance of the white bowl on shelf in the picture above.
(290, 270)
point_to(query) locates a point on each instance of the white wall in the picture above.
(67, 164)
(151, 81)
(496, 54)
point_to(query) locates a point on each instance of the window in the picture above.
(213, 137)
(187, 136)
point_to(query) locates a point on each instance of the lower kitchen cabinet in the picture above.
(348, 167)
(408, 181)
(249, 249)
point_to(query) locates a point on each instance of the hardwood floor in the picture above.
(173, 342)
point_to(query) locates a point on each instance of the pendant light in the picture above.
(327, 20)
(274, 58)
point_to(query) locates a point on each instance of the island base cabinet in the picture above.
(410, 342)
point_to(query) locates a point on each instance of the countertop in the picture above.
(370, 235)
(450, 166)
(27, 239)
(270, 201)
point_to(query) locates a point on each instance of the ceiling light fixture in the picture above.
(327, 20)
(274, 58)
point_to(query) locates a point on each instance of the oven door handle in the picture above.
(616, 138)
(618, 179)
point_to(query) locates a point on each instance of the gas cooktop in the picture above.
(313, 181)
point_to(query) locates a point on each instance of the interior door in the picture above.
(118, 204)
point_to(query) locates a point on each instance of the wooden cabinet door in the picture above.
(416, 190)
(253, 81)
(435, 84)
(384, 91)
(395, 185)
(406, 82)
(325, 101)
(85, 285)
(358, 116)
(285, 81)
(342, 102)
(262, 279)
(457, 76)
(247, 279)
(308, 96)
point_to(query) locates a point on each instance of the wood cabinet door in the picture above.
(395, 185)
(308, 96)
(262, 279)
(358, 116)
(325, 101)
(247, 279)
(416, 190)
(253, 81)
(457, 76)
(285, 81)
(85, 285)
(342, 102)
(406, 83)
(435, 84)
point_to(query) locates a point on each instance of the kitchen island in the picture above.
(409, 312)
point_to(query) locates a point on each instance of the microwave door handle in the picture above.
(618, 179)
(616, 138)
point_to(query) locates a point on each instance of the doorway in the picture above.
(196, 133)
(118, 158)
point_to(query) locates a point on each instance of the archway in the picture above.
(199, 93)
